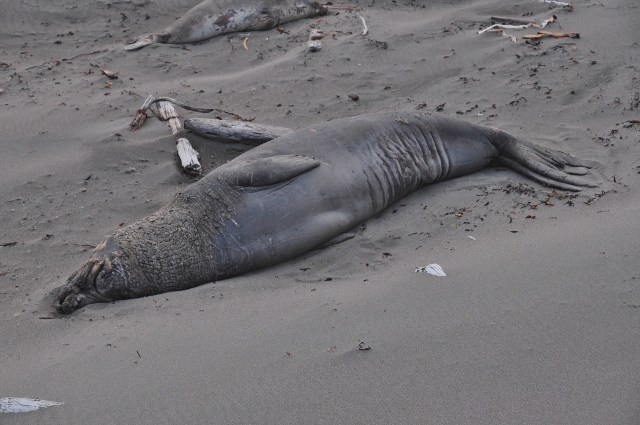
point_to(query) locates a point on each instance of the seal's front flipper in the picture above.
(267, 171)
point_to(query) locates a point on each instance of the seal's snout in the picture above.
(81, 287)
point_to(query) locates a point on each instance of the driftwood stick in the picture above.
(542, 24)
(167, 112)
(499, 27)
(188, 157)
(234, 131)
(341, 6)
(541, 34)
(315, 38)
(365, 31)
(502, 20)
(141, 115)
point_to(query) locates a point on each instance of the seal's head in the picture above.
(102, 278)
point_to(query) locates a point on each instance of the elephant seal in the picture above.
(295, 193)
(216, 17)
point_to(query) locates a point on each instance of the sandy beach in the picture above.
(536, 322)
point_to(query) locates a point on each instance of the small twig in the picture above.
(56, 63)
(85, 54)
(511, 20)
(141, 115)
(229, 40)
(340, 6)
(365, 31)
(541, 34)
(203, 110)
(244, 43)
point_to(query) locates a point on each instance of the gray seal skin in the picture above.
(294, 193)
(216, 17)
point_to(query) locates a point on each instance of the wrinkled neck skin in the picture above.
(413, 150)
(171, 249)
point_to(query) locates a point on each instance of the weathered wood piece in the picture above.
(141, 115)
(315, 40)
(541, 34)
(188, 157)
(167, 112)
(234, 131)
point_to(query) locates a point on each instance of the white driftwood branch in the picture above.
(498, 27)
(234, 131)
(315, 38)
(166, 111)
(141, 115)
(365, 31)
(547, 21)
(188, 157)
(504, 34)
(557, 3)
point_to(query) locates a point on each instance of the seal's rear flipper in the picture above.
(545, 166)
(144, 40)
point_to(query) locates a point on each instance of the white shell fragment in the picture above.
(19, 405)
(433, 269)
(557, 3)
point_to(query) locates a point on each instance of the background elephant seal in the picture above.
(295, 193)
(216, 17)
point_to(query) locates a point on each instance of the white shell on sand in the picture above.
(18, 405)
(433, 269)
